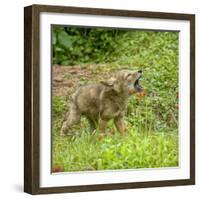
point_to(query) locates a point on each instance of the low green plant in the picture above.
(132, 151)
(58, 105)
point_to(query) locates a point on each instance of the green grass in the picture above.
(140, 147)
(87, 152)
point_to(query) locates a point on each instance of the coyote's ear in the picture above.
(110, 82)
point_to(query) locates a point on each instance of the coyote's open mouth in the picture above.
(137, 86)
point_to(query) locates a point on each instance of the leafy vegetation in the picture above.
(135, 150)
(152, 119)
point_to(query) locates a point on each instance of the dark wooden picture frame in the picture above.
(32, 94)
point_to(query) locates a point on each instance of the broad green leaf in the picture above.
(64, 39)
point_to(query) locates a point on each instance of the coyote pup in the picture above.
(103, 101)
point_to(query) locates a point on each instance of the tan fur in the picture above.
(103, 102)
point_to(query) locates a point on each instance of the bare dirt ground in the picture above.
(66, 79)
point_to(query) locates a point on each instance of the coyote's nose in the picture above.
(140, 71)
